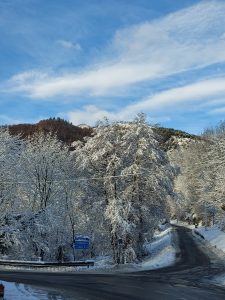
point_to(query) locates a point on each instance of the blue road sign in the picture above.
(81, 242)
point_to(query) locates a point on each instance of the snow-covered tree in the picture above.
(201, 176)
(41, 163)
(131, 177)
(10, 148)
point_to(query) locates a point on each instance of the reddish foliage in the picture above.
(65, 131)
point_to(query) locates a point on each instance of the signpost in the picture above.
(81, 242)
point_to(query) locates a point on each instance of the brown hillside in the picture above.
(65, 131)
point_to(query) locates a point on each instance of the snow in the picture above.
(162, 251)
(105, 262)
(20, 291)
(23, 261)
(214, 236)
(182, 223)
(220, 280)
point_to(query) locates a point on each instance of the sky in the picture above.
(83, 60)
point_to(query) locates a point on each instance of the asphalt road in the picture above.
(187, 280)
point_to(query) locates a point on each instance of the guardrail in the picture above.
(39, 264)
(199, 234)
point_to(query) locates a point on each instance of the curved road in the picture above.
(187, 280)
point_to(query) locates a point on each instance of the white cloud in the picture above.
(95, 82)
(193, 93)
(217, 111)
(181, 41)
(190, 96)
(69, 45)
(89, 115)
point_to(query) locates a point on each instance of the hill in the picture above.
(64, 130)
(171, 138)
(68, 133)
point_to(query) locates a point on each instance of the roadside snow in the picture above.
(214, 236)
(20, 291)
(162, 251)
(220, 280)
(182, 223)
(105, 262)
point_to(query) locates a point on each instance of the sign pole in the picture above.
(74, 257)
(73, 227)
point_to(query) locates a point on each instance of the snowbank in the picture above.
(213, 235)
(220, 280)
(162, 251)
(182, 223)
(20, 291)
(216, 238)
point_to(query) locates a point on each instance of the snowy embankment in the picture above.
(216, 238)
(182, 223)
(162, 251)
(20, 291)
(213, 235)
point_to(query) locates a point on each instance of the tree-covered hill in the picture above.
(64, 130)
(167, 133)
(68, 133)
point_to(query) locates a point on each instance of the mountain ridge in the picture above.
(68, 133)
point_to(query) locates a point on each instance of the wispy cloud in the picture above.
(193, 93)
(176, 43)
(188, 96)
(90, 114)
(217, 111)
(69, 45)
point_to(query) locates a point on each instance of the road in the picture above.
(187, 280)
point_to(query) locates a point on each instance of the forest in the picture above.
(116, 185)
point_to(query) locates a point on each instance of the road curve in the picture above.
(184, 281)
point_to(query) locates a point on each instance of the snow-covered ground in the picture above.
(162, 251)
(181, 223)
(214, 236)
(20, 291)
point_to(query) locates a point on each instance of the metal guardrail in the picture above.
(46, 264)
(199, 234)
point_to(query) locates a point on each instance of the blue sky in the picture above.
(85, 59)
